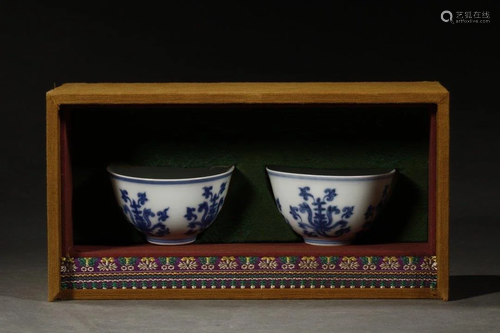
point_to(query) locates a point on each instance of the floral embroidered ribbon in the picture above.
(249, 271)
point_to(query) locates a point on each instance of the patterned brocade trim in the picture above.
(248, 272)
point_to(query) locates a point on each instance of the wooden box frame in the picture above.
(363, 93)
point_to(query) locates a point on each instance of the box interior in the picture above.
(249, 137)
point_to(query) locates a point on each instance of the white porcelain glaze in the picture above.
(329, 207)
(168, 208)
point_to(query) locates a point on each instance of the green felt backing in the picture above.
(250, 137)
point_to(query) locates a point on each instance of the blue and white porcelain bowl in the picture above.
(329, 207)
(170, 206)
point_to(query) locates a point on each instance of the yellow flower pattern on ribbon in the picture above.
(147, 264)
(308, 263)
(268, 263)
(228, 263)
(67, 265)
(188, 263)
(429, 263)
(349, 263)
(107, 264)
(389, 263)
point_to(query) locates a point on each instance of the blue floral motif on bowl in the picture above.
(318, 218)
(209, 209)
(140, 215)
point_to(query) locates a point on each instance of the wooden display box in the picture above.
(249, 252)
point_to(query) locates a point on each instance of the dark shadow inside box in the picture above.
(249, 137)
